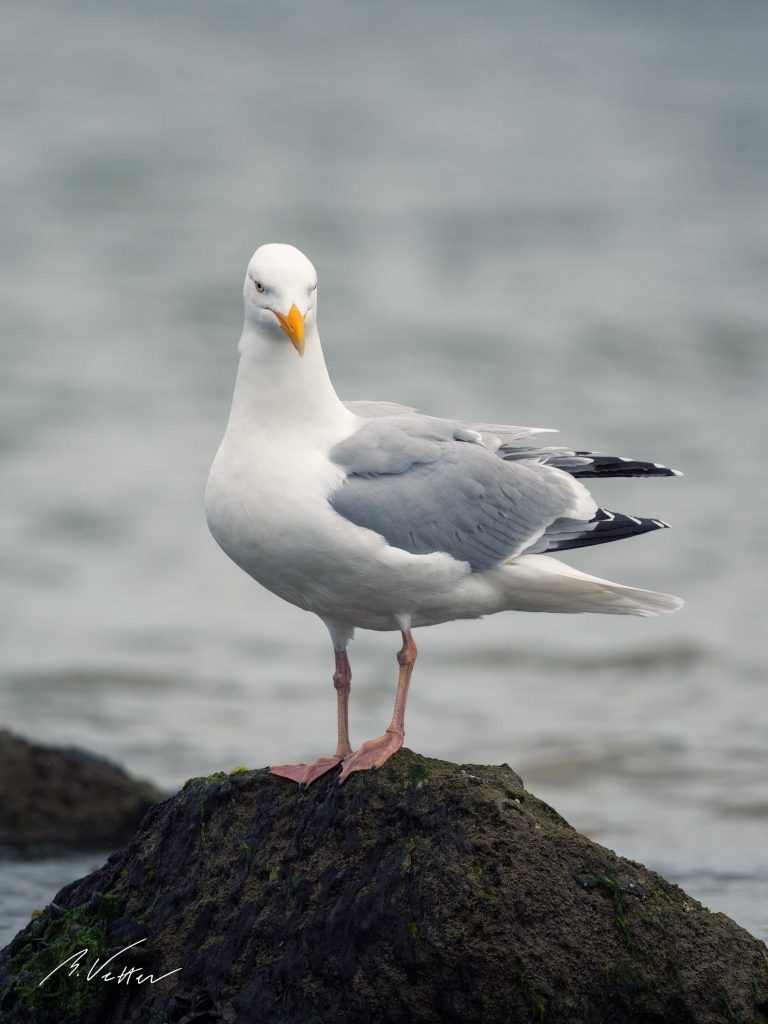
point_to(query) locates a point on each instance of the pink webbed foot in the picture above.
(306, 774)
(372, 754)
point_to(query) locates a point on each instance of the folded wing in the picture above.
(429, 485)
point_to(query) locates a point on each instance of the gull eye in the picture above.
(313, 288)
(259, 286)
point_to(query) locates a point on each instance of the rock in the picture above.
(425, 893)
(53, 799)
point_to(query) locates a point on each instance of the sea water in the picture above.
(545, 214)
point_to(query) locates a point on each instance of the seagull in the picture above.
(375, 516)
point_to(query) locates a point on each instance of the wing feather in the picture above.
(412, 481)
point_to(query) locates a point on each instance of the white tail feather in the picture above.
(540, 583)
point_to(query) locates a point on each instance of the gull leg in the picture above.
(374, 753)
(342, 680)
(305, 774)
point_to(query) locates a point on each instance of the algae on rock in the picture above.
(424, 892)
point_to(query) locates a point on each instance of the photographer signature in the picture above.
(98, 971)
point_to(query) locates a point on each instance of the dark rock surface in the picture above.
(53, 799)
(425, 892)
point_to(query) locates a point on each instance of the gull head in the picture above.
(280, 293)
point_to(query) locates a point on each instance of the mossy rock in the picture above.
(424, 892)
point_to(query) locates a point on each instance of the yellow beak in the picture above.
(293, 325)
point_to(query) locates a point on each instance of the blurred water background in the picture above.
(531, 213)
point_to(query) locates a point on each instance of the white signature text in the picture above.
(98, 970)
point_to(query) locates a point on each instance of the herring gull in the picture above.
(374, 516)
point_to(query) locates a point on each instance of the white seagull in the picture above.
(372, 515)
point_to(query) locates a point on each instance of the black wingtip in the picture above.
(586, 463)
(607, 526)
(619, 466)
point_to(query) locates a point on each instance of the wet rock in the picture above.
(53, 799)
(423, 893)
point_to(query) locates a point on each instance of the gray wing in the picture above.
(505, 440)
(491, 435)
(429, 485)
(372, 410)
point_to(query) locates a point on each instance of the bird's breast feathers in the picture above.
(269, 511)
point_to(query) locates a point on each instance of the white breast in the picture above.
(267, 508)
(266, 504)
(267, 498)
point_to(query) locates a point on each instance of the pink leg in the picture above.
(374, 753)
(305, 774)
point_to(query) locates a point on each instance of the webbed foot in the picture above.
(372, 754)
(306, 774)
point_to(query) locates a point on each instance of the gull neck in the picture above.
(277, 388)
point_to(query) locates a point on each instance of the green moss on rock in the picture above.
(53, 939)
(425, 892)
